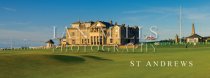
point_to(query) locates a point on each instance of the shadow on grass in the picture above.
(96, 58)
(67, 59)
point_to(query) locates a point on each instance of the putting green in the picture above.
(45, 64)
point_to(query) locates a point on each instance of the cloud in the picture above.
(20, 23)
(9, 9)
(198, 13)
(36, 36)
(17, 23)
(40, 34)
(197, 16)
(169, 16)
(155, 14)
(157, 10)
(1, 24)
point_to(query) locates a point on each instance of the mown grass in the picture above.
(97, 64)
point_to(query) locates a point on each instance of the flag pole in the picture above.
(180, 23)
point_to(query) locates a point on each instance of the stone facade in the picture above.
(101, 33)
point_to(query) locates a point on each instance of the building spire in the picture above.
(180, 23)
(193, 29)
(111, 22)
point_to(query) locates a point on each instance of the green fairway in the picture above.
(46, 64)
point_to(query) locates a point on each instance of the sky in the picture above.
(33, 20)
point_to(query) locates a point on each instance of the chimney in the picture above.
(193, 29)
(115, 23)
(111, 22)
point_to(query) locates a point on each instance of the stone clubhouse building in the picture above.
(100, 33)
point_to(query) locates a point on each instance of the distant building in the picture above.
(50, 44)
(207, 39)
(101, 33)
(63, 42)
(194, 38)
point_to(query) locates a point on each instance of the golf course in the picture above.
(48, 63)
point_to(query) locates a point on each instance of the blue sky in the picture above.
(34, 19)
